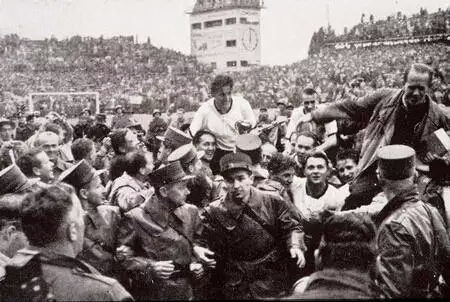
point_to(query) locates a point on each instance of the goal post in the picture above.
(69, 95)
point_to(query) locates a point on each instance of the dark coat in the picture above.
(100, 238)
(339, 284)
(74, 280)
(156, 234)
(251, 263)
(413, 245)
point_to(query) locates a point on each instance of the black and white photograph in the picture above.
(160, 150)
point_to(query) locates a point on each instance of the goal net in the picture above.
(70, 104)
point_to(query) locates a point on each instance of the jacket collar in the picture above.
(356, 279)
(160, 213)
(410, 194)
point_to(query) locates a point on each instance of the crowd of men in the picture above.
(343, 200)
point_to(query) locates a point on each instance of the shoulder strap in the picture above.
(250, 213)
(113, 201)
(68, 263)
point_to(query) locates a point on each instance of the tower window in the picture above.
(244, 63)
(230, 21)
(196, 26)
(231, 43)
(231, 64)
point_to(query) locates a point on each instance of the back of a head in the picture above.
(81, 148)
(53, 127)
(44, 212)
(134, 161)
(43, 136)
(348, 242)
(118, 140)
(28, 161)
(279, 163)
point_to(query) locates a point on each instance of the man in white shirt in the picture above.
(315, 199)
(220, 114)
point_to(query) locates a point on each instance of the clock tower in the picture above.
(226, 33)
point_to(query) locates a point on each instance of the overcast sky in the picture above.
(286, 25)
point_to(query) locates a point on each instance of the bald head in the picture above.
(49, 142)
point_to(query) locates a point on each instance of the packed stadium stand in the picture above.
(119, 67)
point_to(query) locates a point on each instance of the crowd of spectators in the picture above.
(394, 26)
(120, 70)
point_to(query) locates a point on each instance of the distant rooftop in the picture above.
(214, 5)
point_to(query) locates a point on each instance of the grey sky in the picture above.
(286, 25)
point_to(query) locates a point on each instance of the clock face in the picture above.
(250, 39)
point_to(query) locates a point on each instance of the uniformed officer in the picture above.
(412, 240)
(102, 221)
(120, 120)
(162, 233)
(201, 185)
(157, 127)
(253, 234)
(52, 220)
(12, 180)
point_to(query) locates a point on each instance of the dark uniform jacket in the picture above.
(251, 263)
(156, 233)
(100, 238)
(120, 122)
(413, 247)
(73, 280)
(339, 284)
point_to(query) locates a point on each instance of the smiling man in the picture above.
(253, 233)
(392, 116)
(162, 233)
(205, 141)
(315, 199)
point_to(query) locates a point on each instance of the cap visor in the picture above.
(99, 172)
(187, 177)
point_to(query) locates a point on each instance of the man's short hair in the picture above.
(197, 137)
(419, 68)
(81, 148)
(134, 161)
(28, 161)
(53, 127)
(279, 163)
(348, 241)
(318, 154)
(309, 91)
(348, 154)
(45, 211)
(310, 135)
(219, 82)
(30, 117)
(43, 134)
(118, 140)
